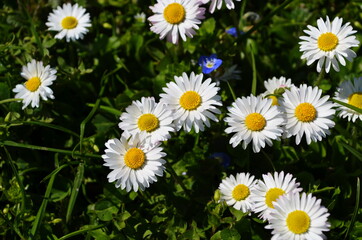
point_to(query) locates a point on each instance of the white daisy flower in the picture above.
(38, 79)
(235, 191)
(134, 164)
(70, 21)
(329, 43)
(218, 4)
(140, 17)
(277, 86)
(192, 101)
(307, 113)
(350, 92)
(269, 189)
(296, 217)
(176, 17)
(151, 120)
(254, 119)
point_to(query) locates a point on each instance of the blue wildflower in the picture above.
(232, 31)
(209, 64)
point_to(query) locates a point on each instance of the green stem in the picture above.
(355, 212)
(177, 179)
(28, 146)
(10, 100)
(320, 77)
(231, 90)
(269, 160)
(72, 234)
(254, 82)
(17, 177)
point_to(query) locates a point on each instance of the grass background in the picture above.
(52, 182)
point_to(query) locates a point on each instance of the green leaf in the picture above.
(358, 110)
(352, 150)
(105, 210)
(226, 234)
(76, 185)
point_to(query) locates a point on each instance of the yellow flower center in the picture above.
(148, 122)
(134, 158)
(305, 112)
(298, 222)
(255, 122)
(32, 84)
(174, 13)
(327, 41)
(190, 100)
(240, 192)
(274, 100)
(69, 22)
(355, 99)
(272, 195)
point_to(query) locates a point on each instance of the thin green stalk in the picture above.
(355, 212)
(17, 177)
(72, 234)
(10, 100)
(28, 146)
(73, 196)
(106, 109)
(177, 179)
(40, 215)
(348, 105)
(265, 19)
(231, 90)
(49, 125)
(254, 82)
(320, 77)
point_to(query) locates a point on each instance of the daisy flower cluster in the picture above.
(137, 158)
(278, 200)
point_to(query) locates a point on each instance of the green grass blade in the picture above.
(17, 177)
(10, 100)
(72, 234)
(358, 110)
(41, 148)
(106, 109)
(355, 212)
(352, 150)
(41, 211)
(253, 85)
(76, 185)
(53, 126)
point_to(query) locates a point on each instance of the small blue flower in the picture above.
(209, 64)
(232, 31)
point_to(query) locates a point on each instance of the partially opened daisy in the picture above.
(38, 79)
(350, 92)
(296, 217)
(254, 119)
(307, 113)
(176, 17)
(151, 120)
(71, 21)
(328, 44)
(268, 190)
(235, 191)
(218, 4)
(275, 87)
(193, 101)
(134, 164)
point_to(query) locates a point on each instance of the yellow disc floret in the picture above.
(190, 100)
(327, 41)
(255, 122)
(148, 122)
(240, 192)
(298, 222)
(134, 158)
(355, 99)
(305, 112)
(272, 195)
(69, 22)
(174, 13)
(32, 84)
